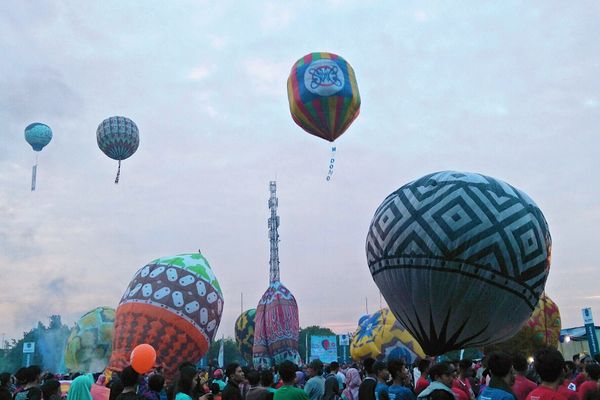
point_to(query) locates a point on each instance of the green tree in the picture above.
(231, 353)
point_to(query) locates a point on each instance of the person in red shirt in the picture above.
(592, 372)
(422, 382)
(461, 385)
(568, 387)
(548, 363)
(522, 385)
(582, 377)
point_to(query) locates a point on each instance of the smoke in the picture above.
(51, 345)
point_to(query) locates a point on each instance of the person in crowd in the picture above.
(218, 378)
(522, 385)
(116, 387)
(156, 383)
(130, 379)
(5, 393)
(185, 383)
(441, 375)
(287, 391)
(502, 378)
(421, 383)
(383, 375)
(51, 390)
(80, 388)
(235, 376)
(461, 386)
(352, 384)
(592, 372)
(315, 387)
(99, 391)
(549, 365)
(568, 388)
(332, 386)
(256, 391)
(582, 376)
(341, 378)
(366, 391)
(215, 390)
(398, 390)
(31, 389)
(266, 380)
(300, 379)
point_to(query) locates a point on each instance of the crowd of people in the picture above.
(497, 377)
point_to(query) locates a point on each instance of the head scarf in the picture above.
(352, 384)
(80, 388)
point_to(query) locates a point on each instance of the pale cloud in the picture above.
(201, 72)
(276, 16)
(217, 42)
(266, 76)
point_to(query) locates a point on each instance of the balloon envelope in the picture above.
(382, 337)
(142, 358)
(173, 304)
(38, 135)
(323, 95)
(460, 258)
(244, 333)
(89, 345)
(118, 137)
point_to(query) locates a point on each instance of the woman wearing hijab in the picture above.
(352, 383)
(80, 388)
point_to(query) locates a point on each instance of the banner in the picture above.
(590, 331)
(323, 348)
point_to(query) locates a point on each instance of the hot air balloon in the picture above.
(244, 333)
(89, 346)
(38, 135)
(174, 304)
(323, 95)
(277, 326)
(118, 138)
(460, 258)
(382, 337)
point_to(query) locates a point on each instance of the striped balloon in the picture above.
(323, 95)
(118, 138)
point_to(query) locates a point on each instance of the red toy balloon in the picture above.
(143, 358)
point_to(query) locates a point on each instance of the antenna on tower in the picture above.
(273, 223)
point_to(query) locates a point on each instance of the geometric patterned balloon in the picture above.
(382, 337)
(175, 305)
(38, 135)
(461, 259)
(323, 95)
(118, 138)
(90, 344)
(244, 333)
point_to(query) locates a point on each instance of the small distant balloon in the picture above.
(118, 138)
(323, 95)
(38, 136)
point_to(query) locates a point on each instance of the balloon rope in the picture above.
(331, 163)
(118, 173)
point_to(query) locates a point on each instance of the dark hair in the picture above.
(215, 388)
(32, 373)
(368, 364)
(379, 366)
(593, 371)
(21, 375)
(129, 376)
(230, 370)
(423, 365)
(253, 377)
(520, 363)
(4, 379)
(156, 382)
(499, 364)
(439, 369)
(575, 357)
(395, 367)
(548, 363)
(266, 378)
(49, 388)
(334, 365)
(116, 387)
(287, 371)
(570, 365)
(185, 380)
(465, 364)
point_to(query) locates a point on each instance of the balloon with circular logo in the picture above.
(461, 259)
(118, 138)
(89, 345)
(173, 304)
(38, 136)
(323, 95)
(142, 358)
(382, 337)
(244, 333)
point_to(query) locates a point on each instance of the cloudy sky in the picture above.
(509, 89)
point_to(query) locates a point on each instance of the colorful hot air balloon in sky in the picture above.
(323, 95)
(118, 138)
(90, 344)
(460, 258)
(173, 304)
(382, 337)
(277, 326)
(244, 333)
(38, 135)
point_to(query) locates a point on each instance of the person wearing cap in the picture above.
(442, 375)
(218, 378)
(503, 377)
(287, 373)
(315, 387)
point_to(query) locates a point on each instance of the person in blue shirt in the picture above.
(382, 373)
(503, 377)
(400, 376)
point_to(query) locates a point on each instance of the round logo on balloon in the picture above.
(325, 344)
(324, 77)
